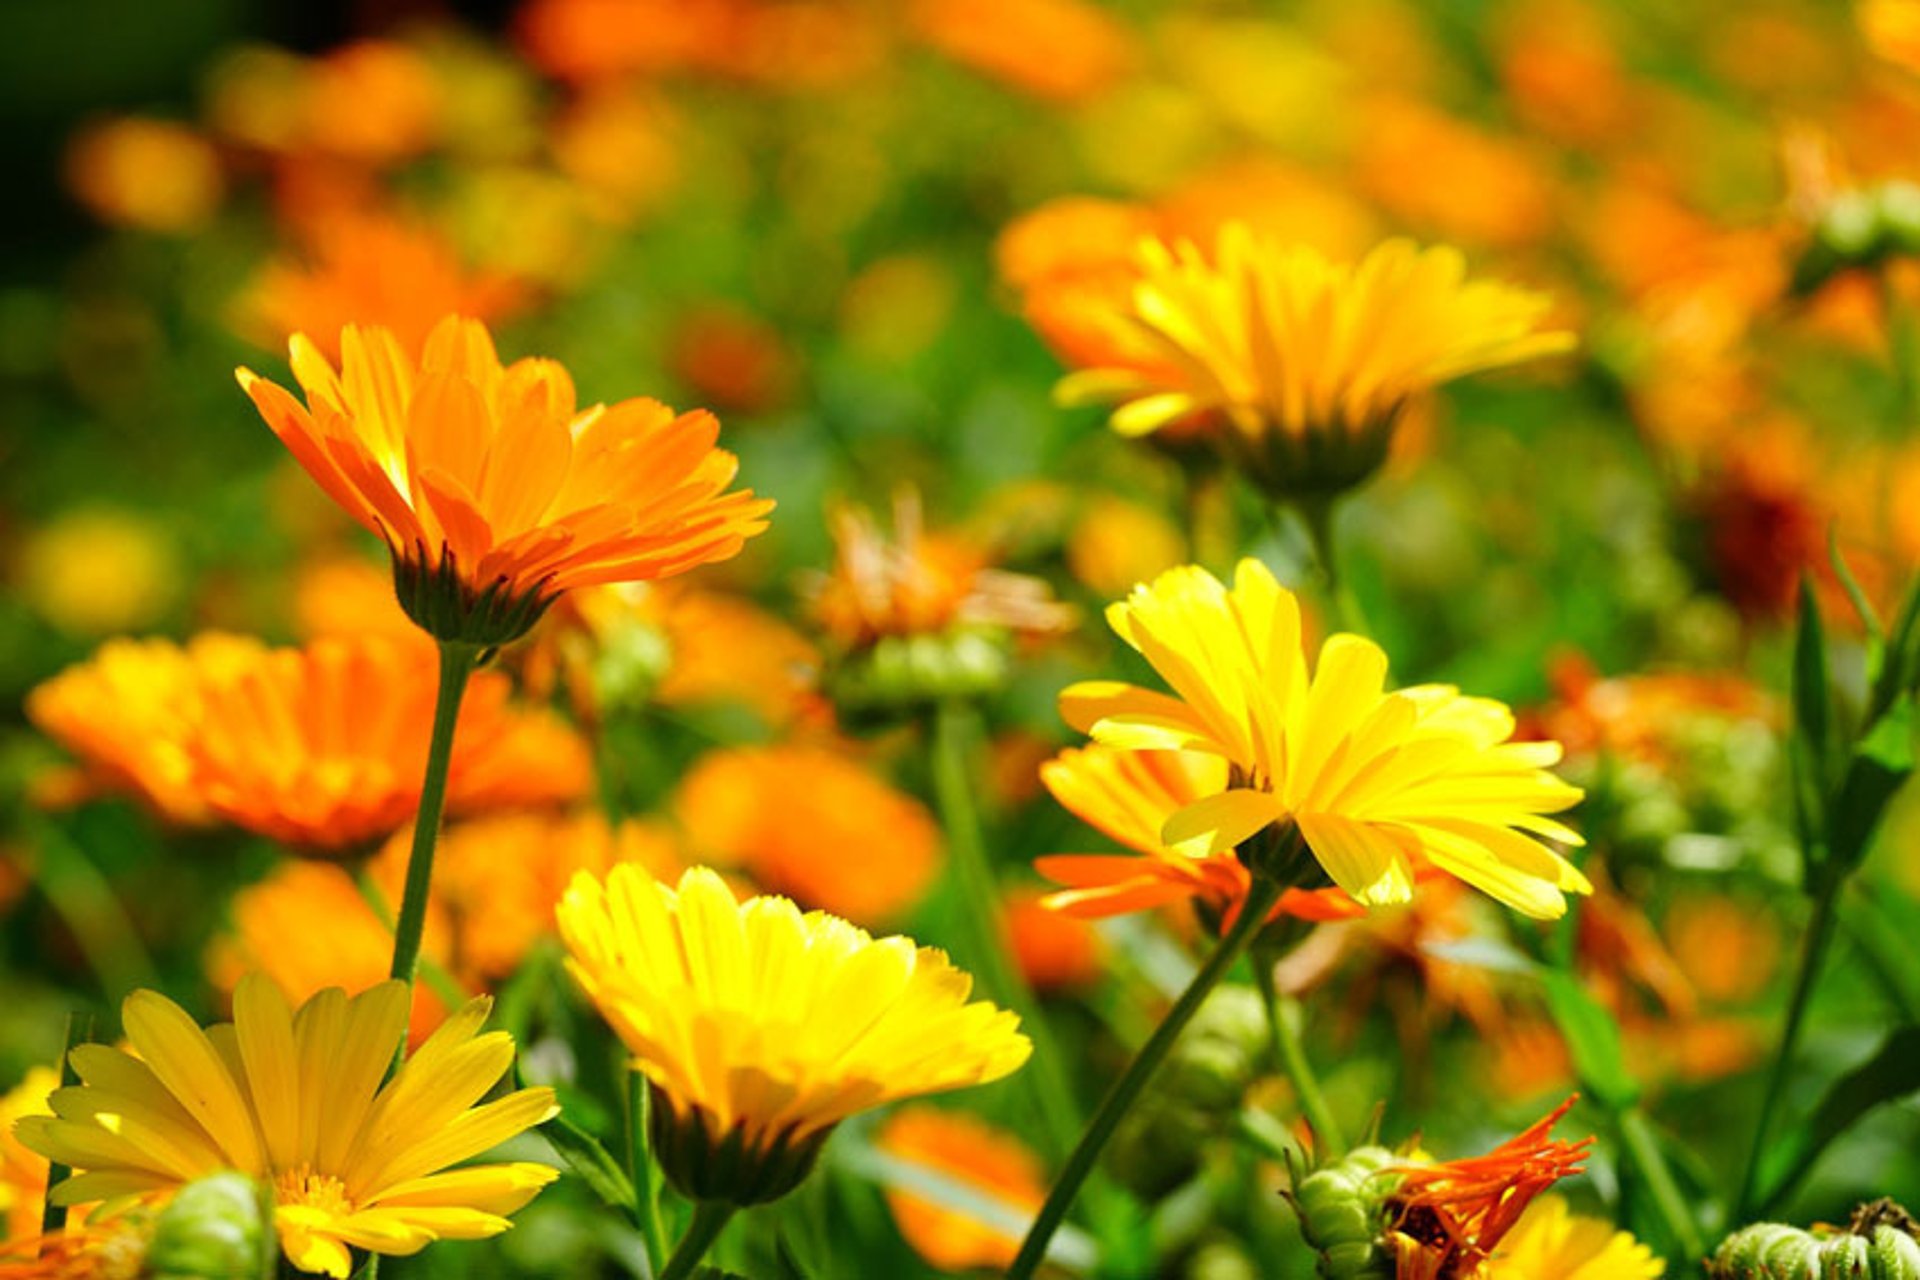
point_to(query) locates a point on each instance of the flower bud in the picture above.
(1881, 1243)
(219, 1227)
(1343, 1208)
(899, 675)
(443, 604)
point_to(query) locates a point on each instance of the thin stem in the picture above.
(432, 972)
(709, 1217)
(457, 662)
(980, 908)
(1317, 512)
(1812, 958)
(53, 1217)
(642, 1171)
(84, 899)
(1283, 1016)
(1120, 1098)
(1643, 1148)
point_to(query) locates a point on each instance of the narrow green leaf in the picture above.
(1897, 667)
(1881, 763)
(590, 1162)
(1593, 1039)
(1893, 1072)
(1812, 683)
(1869, 618)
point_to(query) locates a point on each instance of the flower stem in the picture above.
(1317, 510)
(1812, 958)
(953, 736)
(709, 1217)
(641, 1170)
(1120, 1098)
(1283, 1014)
(457, 662)
(1643, 1148)
(53, 1217)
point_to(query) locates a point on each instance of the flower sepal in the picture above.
(437, 596)
(1323, 462)
(734, 1167)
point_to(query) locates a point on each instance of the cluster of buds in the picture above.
(1882, 1242)
(1857, 229)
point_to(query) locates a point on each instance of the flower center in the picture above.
(321, 1191)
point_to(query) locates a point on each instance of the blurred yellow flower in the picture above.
(1377, 784)
(1892, 30)
(1116, 543)
(23, 1173)
(95, 571)
(492, 491)
(1307, 364)
(989, 1162)
(153, 175)
(1551, 1243)
(761, 1028)
(296, 1098)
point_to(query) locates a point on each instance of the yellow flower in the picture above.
(295, 1098)
(1552, 1244)
(1376, 783)
(1305, 364)
(97, 571)
(761, 1028)
(493, 491)
(23, 1173)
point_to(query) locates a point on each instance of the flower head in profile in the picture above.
(493, 490)
(1376, 784)
(1551, 1242)
(296, 1098)
(1006, 1175)
(1128, 796)
(760, 1028)
(1304, 364)
(1447, 1220)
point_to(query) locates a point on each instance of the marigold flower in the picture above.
(154, 175)
(776, 811)
(493, 493)
(761, 1028)
(1059, 50)
(1448, 1219)
(23, 1173)
(1377, 784)
(1552, 1243)
(103, 1249)
(1055, 951)
(1497, 193)
(296, 1098)
(966, 1150)
(1307, 364)
(1129, 796)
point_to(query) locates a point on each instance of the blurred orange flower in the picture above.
(1055, 951)
(813, 825)
(1635, 716)
(1064, 51)
(617, 143)
(1495, 192)
(153, 175)
(1116, 543)
(732, 359)
(493, 493)
(348, 595)
(966, 1150)
(1729, 949)
(1128, 796)
(370, 102)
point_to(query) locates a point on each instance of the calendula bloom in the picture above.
(1553, 1243)
(1128, 796)
(1376, 784)
(988, 1162)
(771, 811)
(272, 752)
(1055, 951)
(493, 491)
(154, 175)
(23, 1173)
(1449, 1219)
(107, 1249)
(126, 714)
(760, 1028)
(1892, 30)
(1306, 364)
(295, 1098)
(1060, 50)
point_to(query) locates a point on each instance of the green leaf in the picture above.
(1891, 1073)
(1881, 763)
(1593, 1039)
(1812, 682)
(1897, 660)
(590, 1162)
(1869, 618)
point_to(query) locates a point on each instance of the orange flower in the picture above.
(126, 714)
(1728, 949)
(373, 268)
(1495, 193)
(1116, 543)
(1055, 951)
(151, 174)
(23, 1173)
(1449, 1218)
(323, 748)
(348, 595)
(1129, 795)
(988, 1162)
(1063, 51)
(1636, 716)
(308, 927)
(811, 825)
(492, 492)
(617, 144)
(732, 359)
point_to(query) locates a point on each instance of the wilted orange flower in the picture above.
(810, 824)
(323, 748)
(1060, 50)
(23, 1173)
(1495, 192)
(1623, 960)
(1129, 795)
(126, 714)
(1448, 1219)
(1055, 951)
(1635, 716)
(991, 1163)
(308, 927)
(373, 268)
(1766, 519)
(492, 491)
(151, 174)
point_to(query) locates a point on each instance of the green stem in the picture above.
(1283, 1016)
(1643, 1148)
(1812, 957)
(457, 662)
(432, 972)
(709, 1217)
(84, 899)
(980, 909)
(642, 1171)
(1253, 914)
(53, 1217)
(1317, 512)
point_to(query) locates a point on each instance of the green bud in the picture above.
(1881, 1243)
(219, 1227)
(900, 675)
(1343, 1214)
(632, 657)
